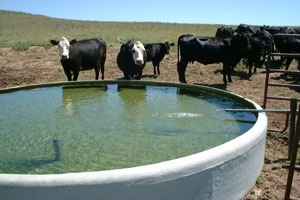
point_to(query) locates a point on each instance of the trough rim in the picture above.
(152, 173)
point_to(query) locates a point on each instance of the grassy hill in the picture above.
(21, 29)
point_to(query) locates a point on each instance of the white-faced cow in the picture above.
(209, 50)
(156, 52)
(132, 59)
(81, 55)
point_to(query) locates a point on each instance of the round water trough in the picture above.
(227, 171)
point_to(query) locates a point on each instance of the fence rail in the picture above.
(294, 134)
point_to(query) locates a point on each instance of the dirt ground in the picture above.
(40, 65)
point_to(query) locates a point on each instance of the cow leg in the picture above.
(76, 73)
(264, 57)
(282, 59)
(229, 75)
(154, 68)
(181, 67)
(250, 69)
(255, 66)
(102, 66)
(158, 69)
(288, 62)
(139, 76)
(97, 69)
(226, 71)
(68, 74)
(126, 76)
(102, 71)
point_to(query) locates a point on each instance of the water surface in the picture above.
(75, 129)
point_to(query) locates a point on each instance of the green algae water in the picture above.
(76, 129)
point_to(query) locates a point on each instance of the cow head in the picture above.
(224, 32)
(166, 47)
(138, 51)
(243, 41)
(258, 46)
(266, 37)
(64, 47)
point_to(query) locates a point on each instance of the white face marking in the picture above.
(138, 53)
(64, 48)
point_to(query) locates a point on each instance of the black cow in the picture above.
(288, 30)
(259, 47)
(81, 55)
(285, 44)
(266, 37)
(260, 41)
(242, 28)
(273, 30)
(288, 45)
(253, 56)
(209, 50)
(132, 59)
(224, 32)
(156, 52)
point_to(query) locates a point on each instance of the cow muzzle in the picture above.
(64, 57)
(139, 62)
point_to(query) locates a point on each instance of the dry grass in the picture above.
(20, 30)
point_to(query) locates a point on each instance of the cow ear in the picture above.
(130, 44)
(73, 42)
(149, 51)
(148, 46)
(54, 42)
(172, 44)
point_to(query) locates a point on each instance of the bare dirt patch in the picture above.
(38, 65)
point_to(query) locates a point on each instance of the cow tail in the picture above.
(178, 50)
(178, 46)
(121, 41)
(178, 59)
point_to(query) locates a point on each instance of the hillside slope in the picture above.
(19, 28)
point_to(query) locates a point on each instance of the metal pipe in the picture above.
(293, 108)
(293, 160)
(255, 110)
(286, 35)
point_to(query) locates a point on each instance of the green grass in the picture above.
(21, 46)
(21, 30)
(260, 180)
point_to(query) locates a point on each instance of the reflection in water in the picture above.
(72, 97)
(56, 150)
(189, 92)
(134, 102)
(27, 166)
(130, 97)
